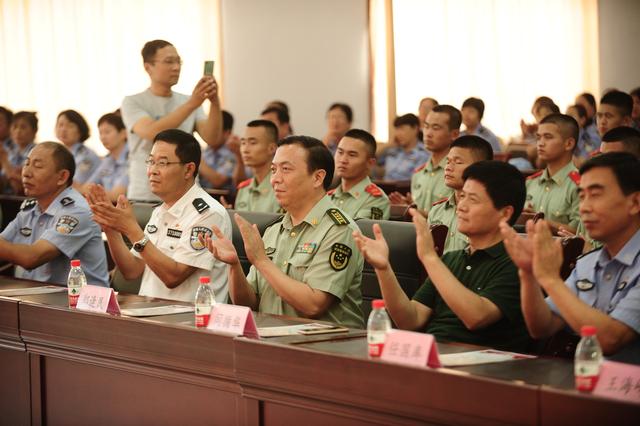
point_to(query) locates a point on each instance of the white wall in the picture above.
(619, 37)
(307, 53)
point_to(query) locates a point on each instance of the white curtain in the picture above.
(85, 54)
(507, 52)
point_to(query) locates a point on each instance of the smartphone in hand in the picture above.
(208, 68)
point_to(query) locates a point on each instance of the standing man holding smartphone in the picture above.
(159, 108)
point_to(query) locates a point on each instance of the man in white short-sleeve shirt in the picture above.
(167, 253)
(159, 108)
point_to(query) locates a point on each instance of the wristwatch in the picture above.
(139, 245)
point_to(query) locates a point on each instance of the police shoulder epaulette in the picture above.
(28, 204)
(575, 177)
(417, 169)
(440, 201)
(66, 201)
(374, 190)
(331, 192)
(200, 205)
(337, 217)
(535, 175)
(244, 183)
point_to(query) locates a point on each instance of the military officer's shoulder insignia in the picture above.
(376, 213)
(337, 217)
(66, 201)
(374, 190)
(244, 183)
(200, 205)
(66, 224)
(417, 169)
(575, 177)
(152, 229)
(27, 204)
(331, 192)
(440, 201)
(535, 175)
(584, 285)
(339, 257)
(194, 241)
(273, 222)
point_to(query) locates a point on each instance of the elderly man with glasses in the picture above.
(159, 108)
(167, 253)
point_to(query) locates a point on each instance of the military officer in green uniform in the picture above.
(554, 190)
(307, 263)
(464, 151)
(356, 194)
(441, 128)
(257, 148)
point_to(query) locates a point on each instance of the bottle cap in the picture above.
(205, 280)
(75, 263)
(378, 304)
(588, 330)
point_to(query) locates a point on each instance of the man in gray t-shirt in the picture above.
(159, 108)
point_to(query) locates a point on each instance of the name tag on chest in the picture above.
(174, 233)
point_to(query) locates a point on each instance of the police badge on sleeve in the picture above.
(339, 257)
(195, 241)
(66, 224)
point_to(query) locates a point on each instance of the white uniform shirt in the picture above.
(175, 232)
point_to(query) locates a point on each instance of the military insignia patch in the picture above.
(66, 224)
(28, 204)
(376, 213)
(200, 205)
(195, 241)
(67, 201)
(269, 251)
(174, 233)
(152, 229)
(339, 257)
(307, 248)
(337, 217)
(584, 285)
(25, 231)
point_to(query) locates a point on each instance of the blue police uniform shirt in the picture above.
(399, 164)
(86, 160)
(588, 142)
(487, 135)
(68, 225)
(113, 171)
(611, 286)
(222, 161)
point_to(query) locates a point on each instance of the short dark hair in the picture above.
(582, 111)
(269, 127)
(479, 147)
(455, 118)
(628, 136)
(151, 47)
(227, 121)
(567, 126)
(407, 120)
(591, 100)
(318, 156)
(346, 109)
(187, 147)
(475, 103)
(279, 104)
(435, 102)
(283, 116)
(624, 166)
(31, 118)
(62, 158)
(503, 182)
(366, 137)
(76, 118)
(623, 102)
(113, 119)
(8, 114)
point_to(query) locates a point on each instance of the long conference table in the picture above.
(61, 366)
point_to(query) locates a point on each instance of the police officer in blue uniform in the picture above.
(55, 225)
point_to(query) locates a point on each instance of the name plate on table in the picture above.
(232, 320)
(94, 298)
(620, 381)
(410, 348)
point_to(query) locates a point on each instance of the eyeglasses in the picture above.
(170, 61)
(160, 163)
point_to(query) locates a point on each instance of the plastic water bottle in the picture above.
(377, 327)
(75, 282)
(205, 299)
(588, 360)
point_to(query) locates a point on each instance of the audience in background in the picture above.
(635, 114)
(339, 119)
(424, 108)
(72, 130)
(398, 162)
(279, 117)
(615, 111)
(587, 143)
(219, 160)
(6, 115)
(14, 151)
(472, 113)
(621, 139)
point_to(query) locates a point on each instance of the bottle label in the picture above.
(586, 383)
(203, 313)
(375, 349)
(73, 299)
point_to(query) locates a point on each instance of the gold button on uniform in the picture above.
(293, 234)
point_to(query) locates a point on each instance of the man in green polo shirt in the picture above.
(306, 264)
(554, 190)
(471, 295)
(356, 194)
(464, 151)
(257, 148)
